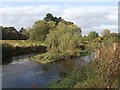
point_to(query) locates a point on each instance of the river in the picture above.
(20, 72)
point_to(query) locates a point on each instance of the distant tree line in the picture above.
(10, 33)
(56, 31)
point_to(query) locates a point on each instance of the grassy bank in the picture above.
(102, 72)
(73, 78)
(18, 47)
(22, 43)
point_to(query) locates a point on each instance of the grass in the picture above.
(18, 47)
(65, 82)
(22, 43)
(101, 72)
(73, 78)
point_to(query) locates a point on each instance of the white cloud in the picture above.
(87, 17)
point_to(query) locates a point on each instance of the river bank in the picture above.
(102, 72)
(49, 58)
(12, 48)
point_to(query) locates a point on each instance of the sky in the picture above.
(89, 16)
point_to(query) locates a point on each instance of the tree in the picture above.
(39, 31)
(51, 25)
(49, 17)
(92, 35)
(63, 38)
(22, 30)
(114, 37)
(106, 36)
(24, 33)
(106, 32)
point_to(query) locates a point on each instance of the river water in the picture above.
(20, 72)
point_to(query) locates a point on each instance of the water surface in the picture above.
(20, 72)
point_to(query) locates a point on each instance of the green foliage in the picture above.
(114, 37)
(63, 38)
(106, 32)
(42, 28)
(75, 77)
(84, 52)
(24, 32)
(111, 38)
(102, 72)
(10, 33)
(49, 17)
(92, 35)
(67, 82)
(107, 39)
(19, 47)
(47, 58)
(39, 31)
(51, 25)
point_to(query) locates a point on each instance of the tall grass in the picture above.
(106, 70)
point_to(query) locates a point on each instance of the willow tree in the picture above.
(64, 38)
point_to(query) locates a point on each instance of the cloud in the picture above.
(87, 17)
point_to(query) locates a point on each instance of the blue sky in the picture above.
(89, 16)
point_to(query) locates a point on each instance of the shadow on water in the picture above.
(6, 61)
(20, 72)
(46, 67)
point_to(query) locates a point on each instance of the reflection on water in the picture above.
(22, 73)
(46, 67)
(65, 67)
(16, 59)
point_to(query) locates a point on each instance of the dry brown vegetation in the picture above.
(106, 67)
